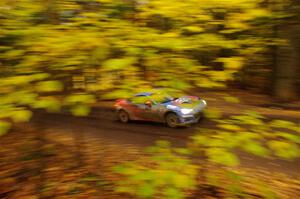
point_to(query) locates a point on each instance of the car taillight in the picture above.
(118, 101)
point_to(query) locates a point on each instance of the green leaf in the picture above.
(118, 64)
(193, 29)
(80, 110)
(282, 124)
(163, 143)
(254, 114)
(213, 113)
(182, 151)
(118, 168)
(21, 115)
(49, 86)
(79, 99)
(24, 97)
(144, 176)
(181, 181)
(201, 140)
(246, 119)
(231, 99)
(146, 191)
(255, 148)
(234, 63)
(117, 94)
(173, 193)
(289, 136)
(4, 127)
(222, 156)
(48, 103)
(230, 127)
(180, 85)
(284, 150)
(125, 189)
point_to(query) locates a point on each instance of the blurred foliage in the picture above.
(216, 147)
(70, 52)
(168, 174)
(251, 133)
(114, 48)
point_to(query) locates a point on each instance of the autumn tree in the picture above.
(66, 53)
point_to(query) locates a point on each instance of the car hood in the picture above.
(186, 103)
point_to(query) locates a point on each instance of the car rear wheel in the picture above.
(172, 120)
(123, 116)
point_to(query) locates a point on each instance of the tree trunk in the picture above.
(286, 64)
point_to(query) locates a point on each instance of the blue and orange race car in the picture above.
(161, 107)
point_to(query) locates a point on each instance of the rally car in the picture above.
(161, 107)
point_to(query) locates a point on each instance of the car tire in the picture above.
(172, 120)
(201, 117)
(123, 116)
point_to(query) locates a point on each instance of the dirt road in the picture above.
(102, 124)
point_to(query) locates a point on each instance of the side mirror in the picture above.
(148, 104)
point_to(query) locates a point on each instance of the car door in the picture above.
(154, 112)
(139, 109)
(145, 112)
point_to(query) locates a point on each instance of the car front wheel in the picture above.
(123, 116)
(172, 120)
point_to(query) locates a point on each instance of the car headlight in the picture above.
(186, 111)
(204, 102)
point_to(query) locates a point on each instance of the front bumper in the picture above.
(190, 119)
